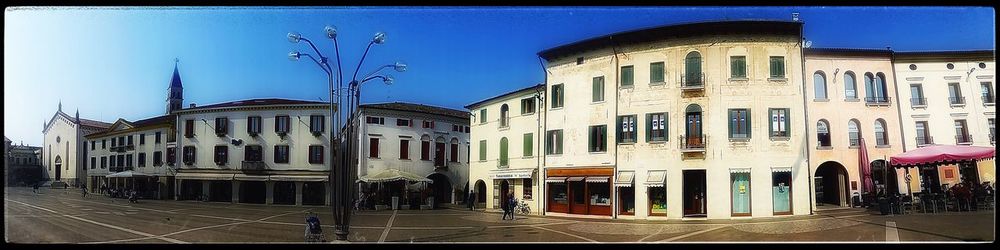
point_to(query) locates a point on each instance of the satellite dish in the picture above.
(809, 44)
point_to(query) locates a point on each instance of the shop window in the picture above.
(558, 193)
(657, 200)
(626, 200)
(600, 194)
(527, 185)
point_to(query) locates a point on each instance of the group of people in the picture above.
(967, 192)
(132, 195)
(508, 206)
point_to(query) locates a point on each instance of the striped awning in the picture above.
(555, 180)
(739, 170)
(575, 178)
(298, 178)
(780, 170)
(598, 179)
(656, 178)
(244, 177)
(625, 178)
(204, 176)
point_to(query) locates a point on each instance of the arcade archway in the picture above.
(832, 185)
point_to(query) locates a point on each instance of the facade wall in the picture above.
(97, 173)
(65, 149)
(838, 109)
(758, 92)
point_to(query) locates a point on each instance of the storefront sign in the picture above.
(512, 174)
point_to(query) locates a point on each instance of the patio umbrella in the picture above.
(866, 168)
(390, 175)
(942, 154)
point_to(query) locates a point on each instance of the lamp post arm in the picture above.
(378, 69)
(320, 64)
(363, 56)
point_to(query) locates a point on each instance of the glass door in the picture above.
(781, 190)
(741, 194)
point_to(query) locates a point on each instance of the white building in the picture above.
(427, 141)
(273, 151)
(63, 137)
(140, 147)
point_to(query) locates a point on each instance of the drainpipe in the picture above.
(895, 84)
(541, 136)
(614, 191)
(805, 108)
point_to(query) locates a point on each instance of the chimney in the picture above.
(192, 105)
(795, 16)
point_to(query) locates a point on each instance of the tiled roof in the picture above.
(152, 121)
(947, 53)
(847, 51)
(419, 108)
(256, 102)
(540, 85)
(93, 123)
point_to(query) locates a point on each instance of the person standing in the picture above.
(471, 201)
(506, 208)
(511, 204)
(34, 188)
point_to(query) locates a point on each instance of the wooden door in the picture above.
(694, 130)
(578, 197)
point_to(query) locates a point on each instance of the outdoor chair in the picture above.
(951, 203)
(941, 201)
(906, 204)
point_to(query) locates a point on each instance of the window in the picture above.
(280, 153)
(503, 152)
(987, 91)
(955, 94)
(189, 155)
(598, 89)
(850, 86)
(528, 144)
(114, 143)
(917, 95)
(425, 150)
(104, 162)
(627, 78)
(454, 152)
(738, 66)
(657, 200)
(923, 135)
(466, 129)
(171, 155)
(121, 141)
(656, 127)
(913, 67)
(375, 120)
(128, 160)
(598, 139)
(993, 127)
(142, 139)
(104, 143)
(142, 160)
(692, 69)
(282, 124)
(482, 116)
(579, 60)
(528, 106)
(881, 138)
(157, 158)
(221, 155)
(881, 91)
(114, 161)
(626, 129)
(739, 123)
(221, 126)
(188, 130)
(130, 140)
(253, 153)
(404, 149)
(527, 183)
(554, 142)
(316, 154)
(504, 111)
(403, 122)
(656, 72)
(557, 96)
(823, 133)
(93, 162)
(316, 124)
(373, 147)
(253, 125)
(853, 133)
(777, 67)
(982, 65)
(92, 145)
(950, 66)
(780, 123)
(482, 150)
(819, 83)
(962, 132)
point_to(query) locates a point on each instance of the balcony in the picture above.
(693, 143)
(254, 166)
(989, 100)
(693, 82)
(963, 139)
(957, 101)
(129, 148)
(925, 141)
(877, 101)
(918, 102)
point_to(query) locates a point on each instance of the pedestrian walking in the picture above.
(505, 205)
(471, 201)
(34, 188)
(511, 204)
(83, 189)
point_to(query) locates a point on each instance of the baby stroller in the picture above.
(133, 197)
(314, 231)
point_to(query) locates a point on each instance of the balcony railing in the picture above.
(693, 143)
(693, 81)
(877, 101)
(989, 99)
(254, 166)
(957, 100)
(854, 142)
(924, 140)
(992, 139)
(963, 139)
(130, 147)
(918, 102)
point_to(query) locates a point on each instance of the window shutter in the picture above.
(590, 139)
(596, 90)
(482, 150)
(528, 144)
(732, 121)
(649, 127)
(788, 121)
(604, 138)
(618, 129)
(749, 125)
(770, 122)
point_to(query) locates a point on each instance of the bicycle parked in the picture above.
(522, 208)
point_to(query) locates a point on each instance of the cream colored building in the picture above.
(64, 136)
(950, 99)
(850, 94)
(506, 148)
(140, 147)
(605, 156)
(273, 151)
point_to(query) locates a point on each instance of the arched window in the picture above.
(819, 83)
(869, 87)
(850, 86)
(880, 89)
(881, 137)
(823, 133)
(503, 115)
(692, 69)
(854, 132)
(454, 150)
(503, 151)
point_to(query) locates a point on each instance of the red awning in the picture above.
(942, 154)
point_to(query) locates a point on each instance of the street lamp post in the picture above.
(341, 175)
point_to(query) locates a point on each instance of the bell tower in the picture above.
(175, 93)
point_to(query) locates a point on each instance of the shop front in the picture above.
(579, 190)
(505, 180)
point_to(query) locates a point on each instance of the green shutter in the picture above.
(503, 151)
(749, 125)
(482, 114)
(618, 129)
(634, 134)
(590, 139)
(666, 126)
(656, 72)
(733, 67)
(598, 89)
(559, 141)
(770, 122)
(604, 137)
(627, 72)
(788, 122)
(730, 122)
(649, 127)
(528, 150)
(482, 150)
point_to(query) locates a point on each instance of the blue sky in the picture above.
(115, 63)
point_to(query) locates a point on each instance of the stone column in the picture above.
(327, 194)
(177, 189)
(206, 188)
(270, 192)
(236, 191)
(298, 193)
